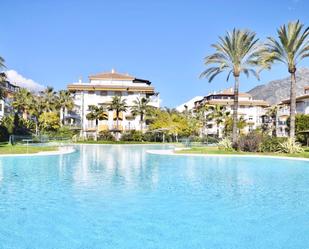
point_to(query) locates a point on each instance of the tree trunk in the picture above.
(117, 120)
(25, 115)
(96, 129)
(292, 105)
(218, 130)
(61, 116)
(142, 119)
(235, 109)
(117, 126)
(36, 128)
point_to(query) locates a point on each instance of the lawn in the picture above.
(118, 142)
(23, 149)
(216, 150)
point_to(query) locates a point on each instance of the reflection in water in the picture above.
(115, 165)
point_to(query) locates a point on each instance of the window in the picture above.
(103, 93)
(90, 92)
(250, 128)
(118, 94)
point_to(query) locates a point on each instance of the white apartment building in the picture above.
(5, 106)
(99, 91)
(251, 110)
(283, 112)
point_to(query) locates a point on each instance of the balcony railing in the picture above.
(284, 111)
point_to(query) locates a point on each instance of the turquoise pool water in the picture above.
(120, 197)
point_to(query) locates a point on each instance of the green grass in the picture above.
(23, 149)
(118, 142)
(216, 150)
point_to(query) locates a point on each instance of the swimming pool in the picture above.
(118, 196)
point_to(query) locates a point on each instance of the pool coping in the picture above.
(61, 151)
(172, 153)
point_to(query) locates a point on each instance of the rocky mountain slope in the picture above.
(277, 90)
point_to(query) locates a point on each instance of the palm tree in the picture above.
(65, 102)
(96, 113)
(202, 115)
(271, 114)
(35, 111)
(218, 114)
(140, 107)
(22, 101)
(118, 105)
(290, 48)
(50, 99)
(235, 53)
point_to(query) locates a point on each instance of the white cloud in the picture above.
(17, 79)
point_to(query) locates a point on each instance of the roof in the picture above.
(229, 92)
(240, 102)
(300, 98)
(116, 88)
(113, 75)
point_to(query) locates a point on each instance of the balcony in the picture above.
(285, 111)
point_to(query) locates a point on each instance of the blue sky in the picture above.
(164, 41)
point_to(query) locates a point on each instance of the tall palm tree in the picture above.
(235, 53)
(22, 101)
(141, 107)
(50, 99)
(291, 47)
(96, 113)
(218, 114)
(271, 114)
(35, 110)
(65, 102)
(202, 115)
(118, 105)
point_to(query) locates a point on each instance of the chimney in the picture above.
(80, 80)
(113, 70)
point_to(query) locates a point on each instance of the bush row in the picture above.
(258, 142)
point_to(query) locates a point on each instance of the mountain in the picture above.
(277, 90)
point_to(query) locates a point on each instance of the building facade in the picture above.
(283, 112)
(99, 91)
(9, 89)
(250, 110)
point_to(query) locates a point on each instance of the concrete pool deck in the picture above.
(171, 152)
(62, 151)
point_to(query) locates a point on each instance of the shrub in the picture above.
(290, 146)
(302, 124)
(136, 136)
(209, 140)
(106, 136)
(271, 144)
(250, 142)
(152, 137)
(61, 133)
(4, 134)
(225, 144)
(49, 121)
